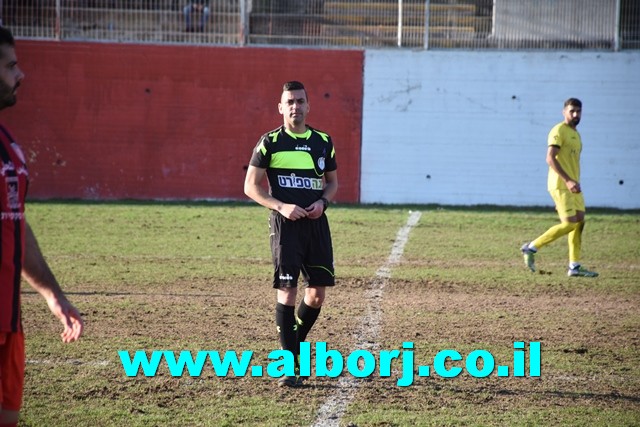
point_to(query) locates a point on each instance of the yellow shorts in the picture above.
(11, 370)
(567, 203)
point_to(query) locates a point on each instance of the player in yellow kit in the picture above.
(563, 158)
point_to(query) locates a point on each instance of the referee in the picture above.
(300, 165)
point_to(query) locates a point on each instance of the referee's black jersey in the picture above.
(295, 163)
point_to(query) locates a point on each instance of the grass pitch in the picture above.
(197, 277)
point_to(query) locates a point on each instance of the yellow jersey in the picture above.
(568, 141)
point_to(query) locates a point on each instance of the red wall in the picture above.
(116, 121)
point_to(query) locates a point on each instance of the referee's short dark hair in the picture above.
(294, 85)
(573, 102)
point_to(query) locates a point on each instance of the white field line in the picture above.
(367, 334)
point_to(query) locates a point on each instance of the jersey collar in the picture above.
(305, 135)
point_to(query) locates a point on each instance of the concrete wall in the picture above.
(116, 121)
(471, 127)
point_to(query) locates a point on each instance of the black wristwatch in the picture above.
(325, 203)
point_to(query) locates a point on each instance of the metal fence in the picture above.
(426, 24)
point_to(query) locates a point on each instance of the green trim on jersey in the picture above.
(324, 136)
(274, 135)
(305, 135)
(261, 148)
(291, 160)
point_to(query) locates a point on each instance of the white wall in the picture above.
(465, 128)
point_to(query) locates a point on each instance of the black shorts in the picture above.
(301, 246)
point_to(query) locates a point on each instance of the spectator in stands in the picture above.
(193, 7)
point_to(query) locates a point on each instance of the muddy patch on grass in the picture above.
(590, 343)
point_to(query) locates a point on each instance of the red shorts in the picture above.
(12, 363)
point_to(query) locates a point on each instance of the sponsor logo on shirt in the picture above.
(12, 216)
(9, 166)
(293, 181)
(13, 196)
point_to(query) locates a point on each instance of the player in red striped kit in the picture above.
(20, 255)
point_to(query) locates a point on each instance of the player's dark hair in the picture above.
(6, 37)
(294, 85)
(575, 102)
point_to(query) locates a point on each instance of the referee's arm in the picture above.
(254, 190)
(331, 185)
(317, 208)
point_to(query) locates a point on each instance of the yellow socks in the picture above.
(558, 231)
(575, 243)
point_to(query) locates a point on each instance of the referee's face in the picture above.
(294, 107)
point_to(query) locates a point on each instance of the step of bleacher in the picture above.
(438, 20)
(137, 19)
(391, 8)
(387, 34)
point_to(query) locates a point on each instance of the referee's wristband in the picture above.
(325, 203)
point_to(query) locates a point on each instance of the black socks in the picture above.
(286, 323)
(306, 318)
